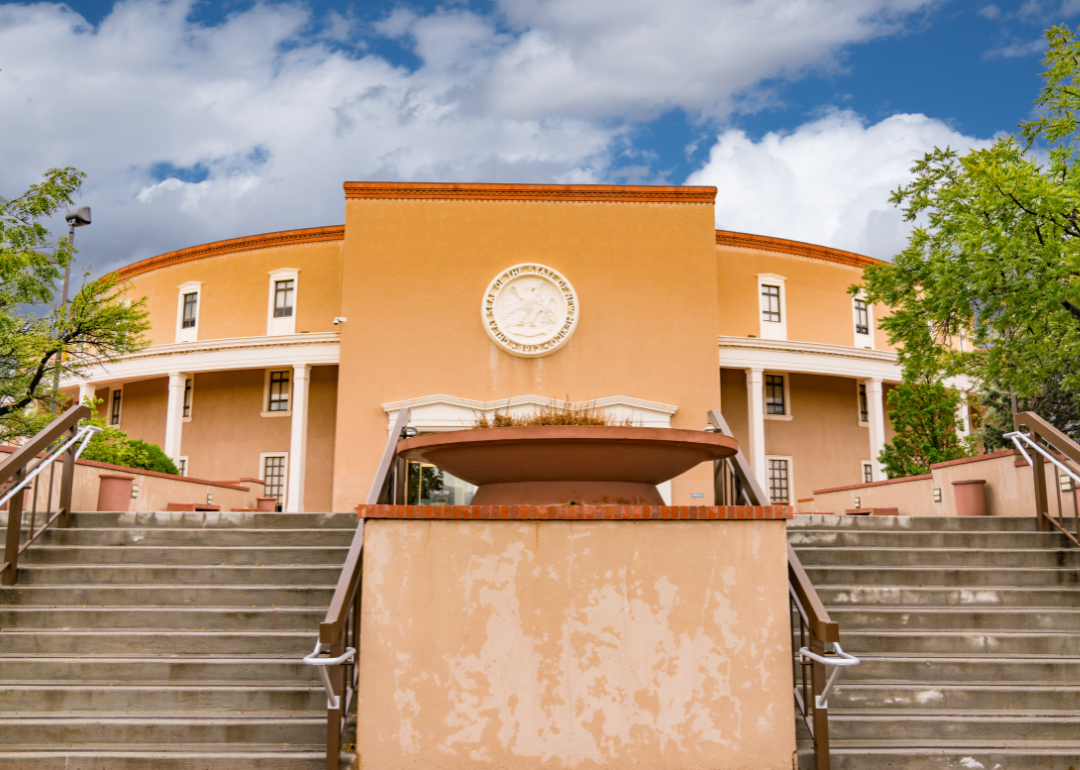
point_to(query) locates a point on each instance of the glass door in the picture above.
(428, 485)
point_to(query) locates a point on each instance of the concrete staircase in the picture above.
(169, 641)
(969, 633)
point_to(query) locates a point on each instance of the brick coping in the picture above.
(578, 512)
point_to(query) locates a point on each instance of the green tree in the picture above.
(113, 446)
(923, 414)
(994, 256)
(99, 325)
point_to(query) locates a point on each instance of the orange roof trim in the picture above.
(796, 248)
(528, 192)
(220, 248)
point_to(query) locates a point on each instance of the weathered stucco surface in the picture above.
(576, 645)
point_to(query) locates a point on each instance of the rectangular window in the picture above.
(864, 407)
(187, 398)
(774, 394)
(779, 482)
(114, 415)
(867, 473)
(283, 299)
(274, 476)
(862, 317)
(182, 466)
(191, 303)
(770, 303)
(279, 392)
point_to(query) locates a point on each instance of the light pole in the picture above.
(79, 217)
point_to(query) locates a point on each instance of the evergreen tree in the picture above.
(923, 414)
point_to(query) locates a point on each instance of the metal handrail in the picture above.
(22, 470)
(335, 653)
(1048, 443)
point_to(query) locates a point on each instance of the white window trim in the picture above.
(863, 341)
(790, 477)
(264, 411)
(787, 396)
(279, 326)
(262, 470)
(862, 471)
(183, 464)
(858, 404)
(191, 411)
(192, 334)
(769, 330)
(110, 399)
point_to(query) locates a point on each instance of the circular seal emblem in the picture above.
(530, 310)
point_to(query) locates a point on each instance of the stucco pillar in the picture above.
(755, 390)
(876, 408)
(86, 390)
(294, 495)
(963, 415)
(174, 415)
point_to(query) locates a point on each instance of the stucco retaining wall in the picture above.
(575, 644)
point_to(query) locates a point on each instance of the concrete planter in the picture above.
(114, 492)
(970, 497)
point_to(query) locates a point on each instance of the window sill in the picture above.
(185, 419)
(778, 416)
(863, 424)
(276, 414)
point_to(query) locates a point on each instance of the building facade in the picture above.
(286, 356)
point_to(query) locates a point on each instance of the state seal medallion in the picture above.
(530, 310)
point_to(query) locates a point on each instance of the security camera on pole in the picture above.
(79, 217)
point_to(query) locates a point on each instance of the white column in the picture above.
(86, 390)
(755, 401)
(876, 408)
(294, 495)
(174, 415)
(963, 415)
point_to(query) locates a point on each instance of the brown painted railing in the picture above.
(734, 482)
(1041, 444)
(336, 653)
(25, 471)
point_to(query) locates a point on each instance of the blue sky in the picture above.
(199, 121)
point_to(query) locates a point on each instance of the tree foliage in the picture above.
(113, 446)
(99, 324)
(994, 255)
(923, 414)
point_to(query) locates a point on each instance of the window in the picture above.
(182, 466)
(114, 412)
(187, 398)
(864, 405)
(775, 403)
(191, 306)
(283, 298)
(770, 303)
(279, 392)
(779, 480)
(867, 472)
(274, 476)
(862, 317)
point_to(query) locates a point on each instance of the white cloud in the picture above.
(1017, 50)
(990, 12)
(828, 182)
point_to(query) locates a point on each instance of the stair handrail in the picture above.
(734, 482)
(335, 654)
(1048, 443)
(61, 438)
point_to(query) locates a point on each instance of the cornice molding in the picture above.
(486, 406)
(236, 343)
(795, 248)
(814, 348)
(232, 246)
(529, 192)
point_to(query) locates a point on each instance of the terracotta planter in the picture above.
(114, 492)
(266, 504)
(564, 465)
(970, 497)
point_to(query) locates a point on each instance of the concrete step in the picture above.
(916, 596)
(947, 755)
(967, 697)
(131, 574)
(227, 618)
(190, 595)
(951, 642)
(159, 698)
(52, 641)
(949, 724)
(961, 669)
(193, 669)
(871, 575)
(915, 523)
(924, 539)
(183, 555)
(217, 757)
(209, 519)
(122, 729)
(957, 619)
(178, 536)
(1042, 558)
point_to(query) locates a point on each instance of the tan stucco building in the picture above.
(286, 356)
